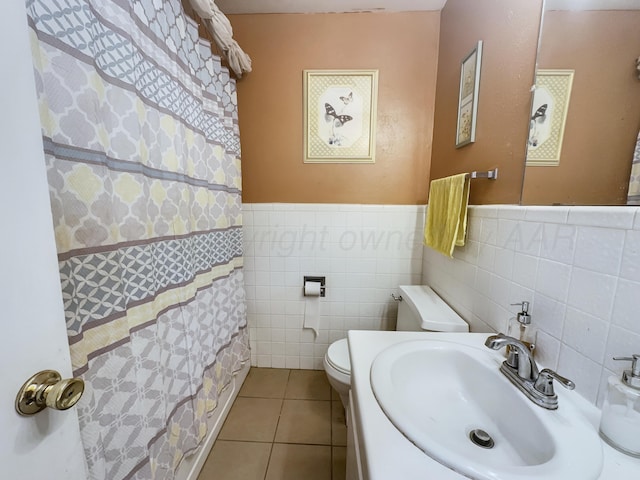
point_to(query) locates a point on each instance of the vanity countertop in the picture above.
(390, 455)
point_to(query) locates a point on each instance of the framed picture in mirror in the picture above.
(468, 98)
(548, 117)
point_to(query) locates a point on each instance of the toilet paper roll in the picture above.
(312, 306)
(312, 289)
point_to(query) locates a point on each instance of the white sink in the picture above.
(436, 393)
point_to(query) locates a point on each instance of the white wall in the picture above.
(578, 266)
(365, 252)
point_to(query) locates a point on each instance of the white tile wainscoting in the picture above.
(578, 266)
(364, 251)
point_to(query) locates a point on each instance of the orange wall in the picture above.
(604, 109)
(509, 31)
(402, 46)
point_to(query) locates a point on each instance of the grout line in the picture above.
(266, 470)
(243, 441)
(277, 425)
(305, 443)
(331, 434)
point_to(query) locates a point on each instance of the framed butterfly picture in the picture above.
(340, 115)
(548, 117)
(468, 99)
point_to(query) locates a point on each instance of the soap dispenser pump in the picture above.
(520, 326)
(620, 422)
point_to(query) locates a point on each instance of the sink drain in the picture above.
(481, 438)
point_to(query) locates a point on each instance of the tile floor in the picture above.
(284, 425)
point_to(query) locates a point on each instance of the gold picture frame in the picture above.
(340, 116)
(468, 96)
(548, 117)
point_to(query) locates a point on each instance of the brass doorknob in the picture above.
(48, 389)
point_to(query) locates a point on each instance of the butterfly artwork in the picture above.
(337, 121)
(538, 118)
(348, 99)
(540, 112)
(331, 115)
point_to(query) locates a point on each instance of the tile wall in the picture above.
(578, 266)
(365, 252)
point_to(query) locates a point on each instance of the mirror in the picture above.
(599, 40)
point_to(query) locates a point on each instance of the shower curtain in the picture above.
(633, 195)
(140, 134)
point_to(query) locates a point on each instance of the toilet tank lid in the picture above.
(433, 312)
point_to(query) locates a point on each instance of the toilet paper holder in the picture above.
(314, 279)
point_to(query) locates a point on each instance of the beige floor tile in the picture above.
(338, 425)
(265, 383)
(252, 419)
(299, 462)
(339, 463)
(236, 461)
(308, 385)
(305, 421)
(334, 395)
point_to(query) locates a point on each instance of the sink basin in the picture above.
(437, 393)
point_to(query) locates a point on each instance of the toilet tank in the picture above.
(422, 309)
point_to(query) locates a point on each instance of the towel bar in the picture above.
(491, 174)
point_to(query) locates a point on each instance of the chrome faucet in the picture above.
(526, 365)
(536, 385)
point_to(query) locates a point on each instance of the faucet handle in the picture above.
(544, 383)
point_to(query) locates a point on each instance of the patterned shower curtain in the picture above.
(633, 195)
(140, 133)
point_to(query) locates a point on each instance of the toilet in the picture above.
(420, 309)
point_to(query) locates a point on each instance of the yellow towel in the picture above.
(446, 224)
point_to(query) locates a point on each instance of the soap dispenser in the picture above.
(620, 422)
(520, 326)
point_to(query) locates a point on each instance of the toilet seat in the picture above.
(338, 356)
